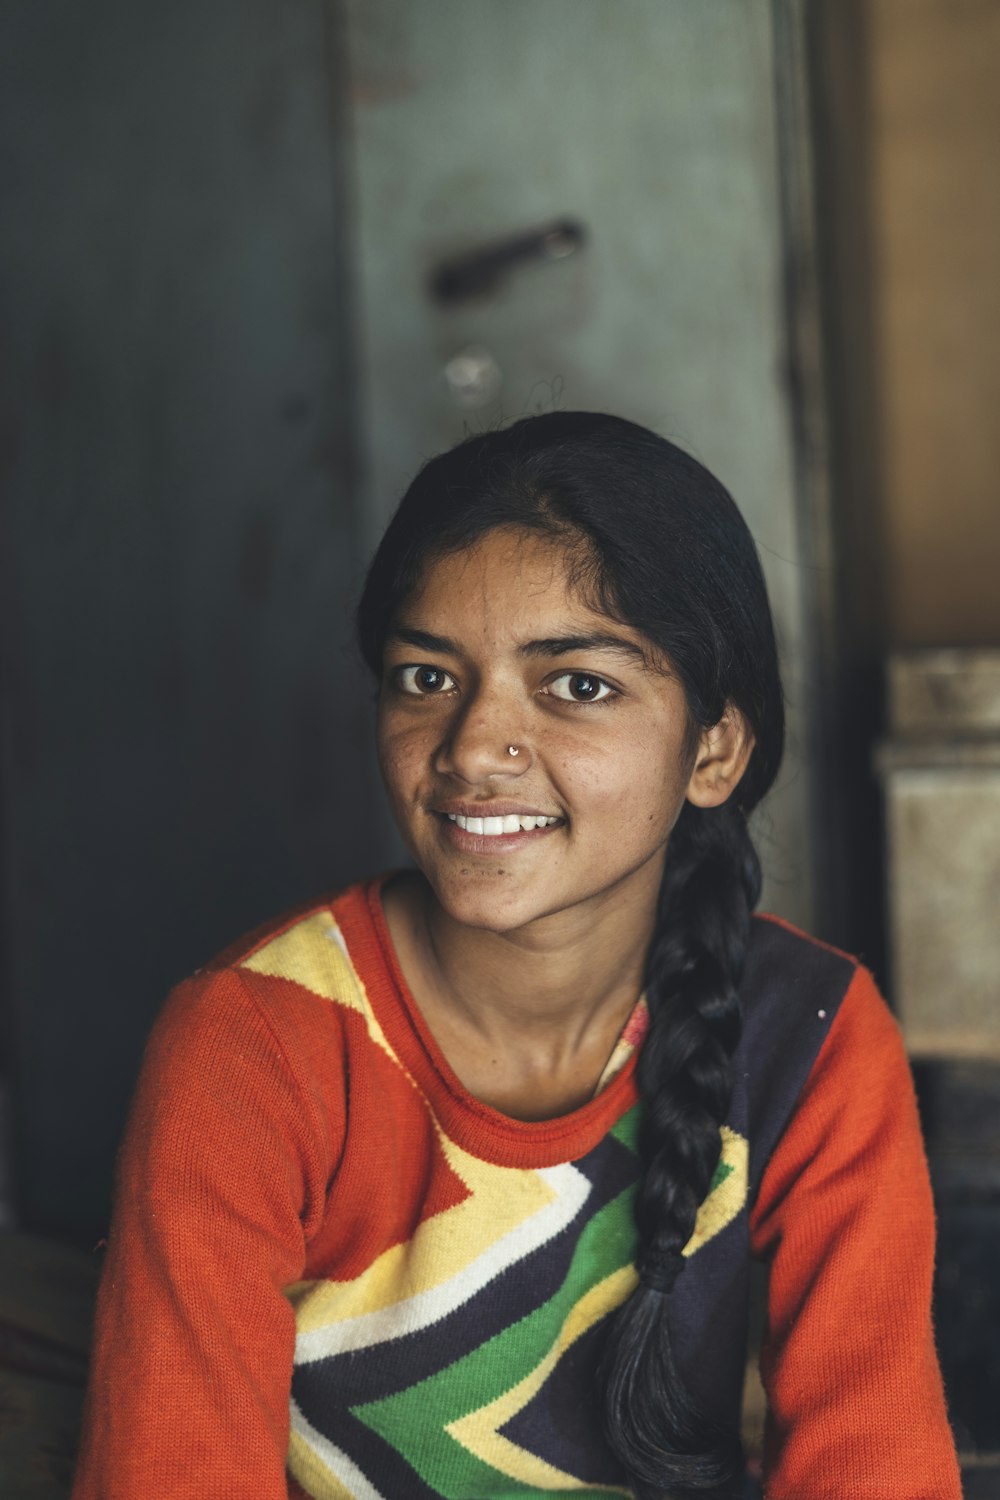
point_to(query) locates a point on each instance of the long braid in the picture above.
(711, 884)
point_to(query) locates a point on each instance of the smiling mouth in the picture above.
(495, 827)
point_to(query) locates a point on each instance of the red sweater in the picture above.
(310, 1202)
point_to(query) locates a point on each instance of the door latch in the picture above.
(477, 272)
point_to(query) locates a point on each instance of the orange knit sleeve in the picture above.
(221, 1172)
(844, 1214)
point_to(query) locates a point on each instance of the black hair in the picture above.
(657, 543)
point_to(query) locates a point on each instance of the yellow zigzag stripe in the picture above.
(313, 953)
(479, 1432)
(313, 1473)
(724, 1202)
(500, 1199)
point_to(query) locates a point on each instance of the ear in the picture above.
(723, 753)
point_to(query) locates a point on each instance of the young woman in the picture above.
(449, 1186)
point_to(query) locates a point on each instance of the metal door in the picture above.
(514, 127)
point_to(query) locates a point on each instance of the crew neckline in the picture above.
(478, 1126)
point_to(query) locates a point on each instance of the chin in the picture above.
(488, 901)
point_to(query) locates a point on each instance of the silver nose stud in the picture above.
(512, 750)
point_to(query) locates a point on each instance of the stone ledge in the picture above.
(944, 690)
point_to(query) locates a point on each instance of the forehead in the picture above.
(517, 591)
(510, 577)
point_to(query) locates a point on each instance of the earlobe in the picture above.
(724, 751)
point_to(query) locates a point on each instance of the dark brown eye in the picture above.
(423, 681)
(580, 687)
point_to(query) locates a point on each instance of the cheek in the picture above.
(582, 771)
(395, 753)
(624, 777)
(641, 779)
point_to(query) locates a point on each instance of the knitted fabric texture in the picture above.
(333, 1272)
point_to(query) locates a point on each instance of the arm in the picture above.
(855, 1403)
(219, 1178)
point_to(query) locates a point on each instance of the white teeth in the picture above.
(511, 823)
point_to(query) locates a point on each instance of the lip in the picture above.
(494, 808)
(495, 843)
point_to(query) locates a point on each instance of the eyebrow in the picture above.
(568, 645)
(554, 645)
(423, 640)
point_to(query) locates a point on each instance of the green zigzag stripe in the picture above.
(413, 1421)
(626, 1130)
(722, 1171)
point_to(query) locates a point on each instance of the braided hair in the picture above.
(655, 542)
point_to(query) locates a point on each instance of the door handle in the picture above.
(477, 272)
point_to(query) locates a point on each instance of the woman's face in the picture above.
(496, 649)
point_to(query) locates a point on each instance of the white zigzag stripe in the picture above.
(336, 1461)
(426, 1308)
(336, 936)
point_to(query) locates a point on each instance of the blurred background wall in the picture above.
(909, 116)
(934, 81)
(907, 97)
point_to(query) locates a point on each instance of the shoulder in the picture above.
(785, 964)
(792, 978)
(283, 988)
(804, 1002)
(256, 1046)
(321, 949)
(794, 985)
(295, 929)
(850, 1112)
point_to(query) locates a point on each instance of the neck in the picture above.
(528, 1018)
(542, 985)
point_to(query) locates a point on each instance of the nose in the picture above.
(482, 739)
